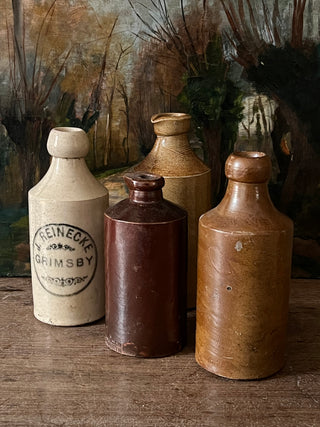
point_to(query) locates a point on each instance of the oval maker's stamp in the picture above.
(65, 258)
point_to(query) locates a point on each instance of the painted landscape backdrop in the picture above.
(248, 71)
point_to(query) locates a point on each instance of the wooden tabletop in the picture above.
(54, 376)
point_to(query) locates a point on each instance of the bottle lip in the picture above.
(169, 124)
(250, 154)
(143, 181)
(160, 117)
(248, 166)
(68, 142)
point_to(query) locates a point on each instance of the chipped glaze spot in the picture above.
(238, 246)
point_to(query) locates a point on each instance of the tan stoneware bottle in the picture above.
(244, 265)
(66, 235)
(187, 180)
(145, 253)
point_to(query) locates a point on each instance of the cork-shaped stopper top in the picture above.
(248, 166)
(144, 187)
(68, 143)
(169, 124)
(143, 181)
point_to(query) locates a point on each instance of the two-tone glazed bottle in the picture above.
(187, 180)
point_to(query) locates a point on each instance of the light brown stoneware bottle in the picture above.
(66, 235)
(244, 264)
(187, 180)
(145, 252)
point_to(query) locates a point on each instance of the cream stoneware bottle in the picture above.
(66, 235)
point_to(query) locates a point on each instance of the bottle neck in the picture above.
(67, 169)
(243, 196)
(138, 196)
(60, 163)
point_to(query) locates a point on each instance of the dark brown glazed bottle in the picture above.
(244, 265)
(145, 257)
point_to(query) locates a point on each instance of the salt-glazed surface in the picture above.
(66, 235)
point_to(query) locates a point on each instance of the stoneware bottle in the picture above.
(145, 252)
(66, 235)
(187, 180)
(244, 264)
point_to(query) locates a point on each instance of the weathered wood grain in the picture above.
(54, 376)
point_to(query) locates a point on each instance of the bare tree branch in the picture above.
(49, 11)
(297, 23)
(54, 80)
(275, 18)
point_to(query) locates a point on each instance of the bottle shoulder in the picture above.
(161, 211)
(68, 181)
(243, 222)
(172, 161)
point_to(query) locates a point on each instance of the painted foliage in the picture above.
(247, 72)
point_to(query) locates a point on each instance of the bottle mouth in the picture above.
(143, 181)
(68, 129)
(157, 118)
(170, 124)
(250, 154)
(145, 176)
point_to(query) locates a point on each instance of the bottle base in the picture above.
(252, 375)
(130, 349)
(55, 322)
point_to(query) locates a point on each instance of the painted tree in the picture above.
(283, 64)
(37, 57)
(95, 74)
(23, 115)
(191, 40)
(126, 111)
(56, 80)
